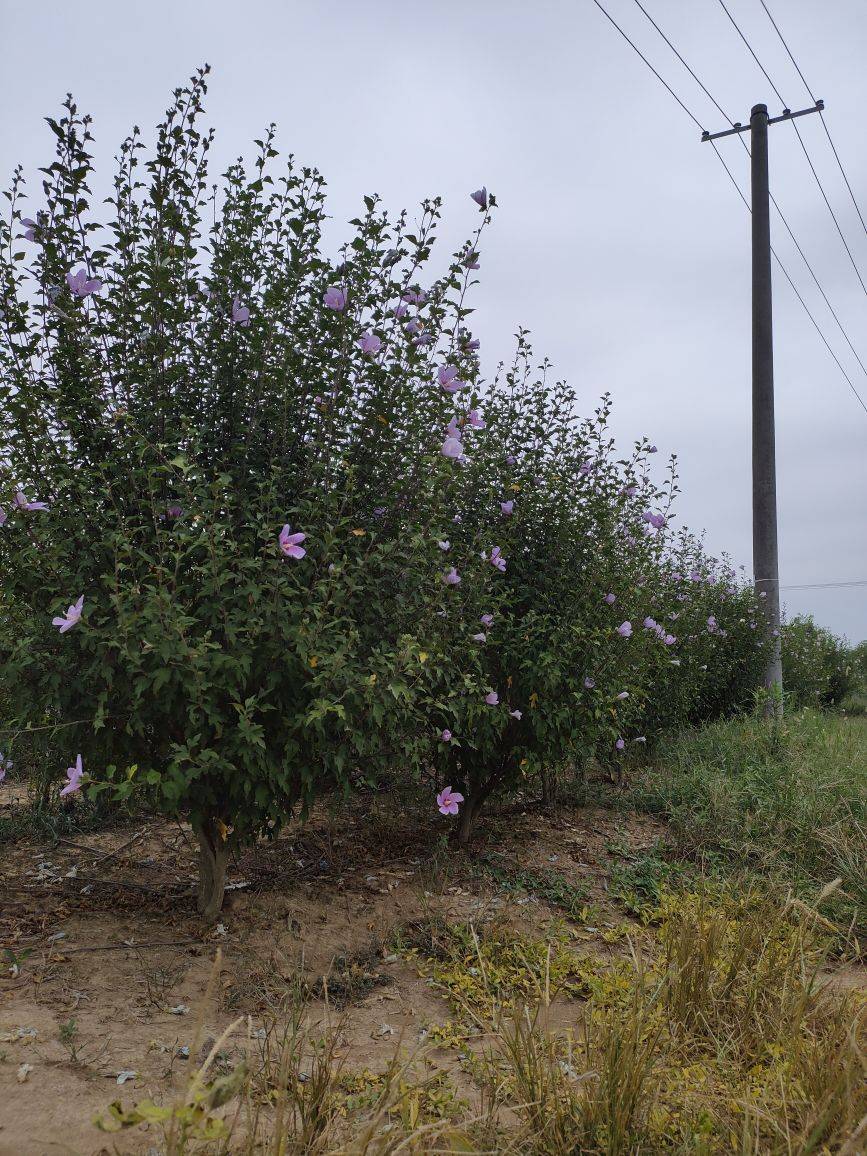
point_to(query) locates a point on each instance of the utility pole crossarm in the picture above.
(819, 106)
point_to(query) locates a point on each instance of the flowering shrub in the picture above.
(818, 669)
(268, 533)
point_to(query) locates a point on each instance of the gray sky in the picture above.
(619, 241)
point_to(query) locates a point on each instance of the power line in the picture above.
(731, 177)
(766, 74)
(822, 115)
(826, 585)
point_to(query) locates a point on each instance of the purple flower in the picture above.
(474, 420)
(447, 376)
(480, 196)
(516, 714)
(369, 343)
(81, 285)
(414, 296)
(487, 620)
(589, 683)
(630, 491)
(3, 516)
(452, 578)
(21, 502)
(335, 298)
(174, 511)
(625, 629)
(72, 616)
(448, 800)
(506, 508)
(510, 460)
(473, 344)
(73, 778)
(31, 228)
(413, 327)
(585, 468)
(401, 310)
(452, 447)
(610, 599)
(492, 698)
(480, 637)
(445, 544)
(5, 765)
(380, 511)
(649, 623)
(623, 694)
(496, 559)
(652, 450)
(619, 745)
(290, 543)
(240, 313)
(670, 639)
(457, 518)
(445, 736)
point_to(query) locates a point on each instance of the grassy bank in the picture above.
(789, 804)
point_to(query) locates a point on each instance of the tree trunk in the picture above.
(549, 789)
(213, 860)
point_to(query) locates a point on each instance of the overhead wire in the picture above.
(809, 159)
(734, 182)
(821, 115)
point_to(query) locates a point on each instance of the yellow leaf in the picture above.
(509, 681)
(384, 420)
(422, 656)
(222, 828)
(523, 762)
(534, 698)
(314, 661)
(372, 679)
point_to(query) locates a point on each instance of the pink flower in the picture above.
(290, 543)
(452, 447)
(73, 614)
(480, 196)
(474, 420)
(625, 629)
(452, 578)
(445, 736)
(610, 599)
(21, 502)
(619, 745)
(486, 619)
(73, 777)
(335, 298)
(670, 639)
(506, 508)
(369, 343)
(80, 285)
(240, 313)
(492, 698)
(448, 801)
(447, 376)
(496, 559)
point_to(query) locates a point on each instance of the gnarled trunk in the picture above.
(213, 860)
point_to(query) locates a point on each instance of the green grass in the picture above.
(789, 804)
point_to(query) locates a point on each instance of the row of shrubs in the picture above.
(819, 669)
(269, 533)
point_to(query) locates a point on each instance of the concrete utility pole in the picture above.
(765, 565)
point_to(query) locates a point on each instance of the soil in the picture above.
(108, 967)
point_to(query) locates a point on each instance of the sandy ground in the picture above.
(103, 930)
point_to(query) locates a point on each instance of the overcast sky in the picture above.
(618, 242)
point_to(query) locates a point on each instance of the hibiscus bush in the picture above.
(268, 532)
(819, 670)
